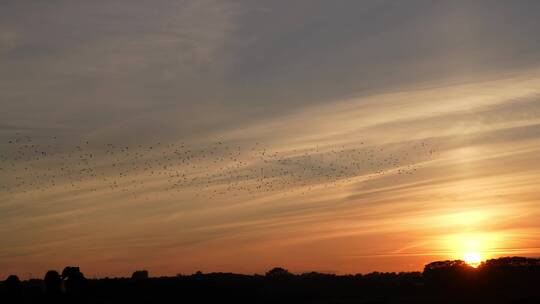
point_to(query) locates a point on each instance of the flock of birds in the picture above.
(28, 165)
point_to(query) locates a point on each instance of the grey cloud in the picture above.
(154, 64)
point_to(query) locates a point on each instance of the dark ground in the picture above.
(504, 280)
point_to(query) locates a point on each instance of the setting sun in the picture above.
(472, 258)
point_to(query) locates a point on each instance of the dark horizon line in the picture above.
(327, 273)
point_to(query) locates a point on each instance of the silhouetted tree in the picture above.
(53, 282)
(13, 289)
(53, 287)
(449, 274)
(139, 275)
(74, 282)
(278, 272)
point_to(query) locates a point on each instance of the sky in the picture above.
(235, 136)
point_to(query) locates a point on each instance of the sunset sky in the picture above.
(235, 136)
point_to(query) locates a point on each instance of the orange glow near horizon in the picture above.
(474, 248)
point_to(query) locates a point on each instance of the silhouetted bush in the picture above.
(278, 272)
(140, 275)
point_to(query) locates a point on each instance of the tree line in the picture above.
(502, 280)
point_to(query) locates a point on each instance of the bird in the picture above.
(215, 170)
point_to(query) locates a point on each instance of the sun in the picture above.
(472, 258)
(472, 248)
